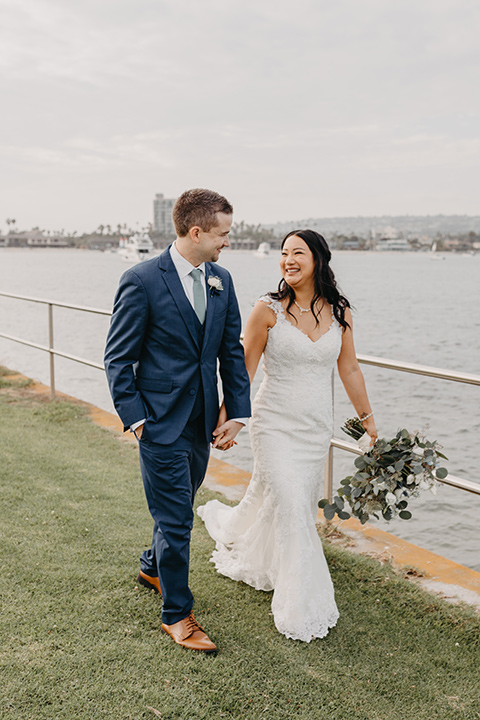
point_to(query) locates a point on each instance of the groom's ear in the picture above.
(194, 233)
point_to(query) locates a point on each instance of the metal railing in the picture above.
(50, 349)
(414, 369)
(460, 483)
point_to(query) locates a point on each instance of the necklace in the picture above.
(302, 310)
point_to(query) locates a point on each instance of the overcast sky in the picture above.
(291, 108)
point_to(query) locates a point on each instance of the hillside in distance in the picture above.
(408, 226)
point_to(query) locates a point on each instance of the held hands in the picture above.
(224, 435)
(225, 432)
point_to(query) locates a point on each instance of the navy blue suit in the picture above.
(161, 365)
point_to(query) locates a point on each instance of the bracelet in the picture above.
(365, 417)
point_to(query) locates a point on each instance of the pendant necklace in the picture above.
(302, 310)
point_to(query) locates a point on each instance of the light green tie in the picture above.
(198, 294)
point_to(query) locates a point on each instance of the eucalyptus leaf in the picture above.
(329, 511)
(441, 473)
(405, 514)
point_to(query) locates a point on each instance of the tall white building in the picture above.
(162, 214)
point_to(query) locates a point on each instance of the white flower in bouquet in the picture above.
(390, 499)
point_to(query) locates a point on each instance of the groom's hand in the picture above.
(138, 431)
(224, 435)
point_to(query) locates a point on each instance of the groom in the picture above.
(174, 317)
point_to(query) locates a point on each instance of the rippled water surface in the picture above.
(408, 306)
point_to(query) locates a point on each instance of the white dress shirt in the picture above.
(184, 268)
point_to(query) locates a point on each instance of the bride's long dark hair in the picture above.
(325, 285)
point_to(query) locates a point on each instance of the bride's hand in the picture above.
(370, 428)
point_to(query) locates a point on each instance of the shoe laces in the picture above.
(192, 624)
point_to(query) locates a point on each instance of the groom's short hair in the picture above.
(198, 207)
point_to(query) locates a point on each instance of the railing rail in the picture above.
(419, 369)
(55, 303)
(439, 373)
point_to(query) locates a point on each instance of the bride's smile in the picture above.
(296, 263)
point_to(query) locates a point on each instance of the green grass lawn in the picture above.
(79, 640)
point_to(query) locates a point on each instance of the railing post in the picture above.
(52, 355)
(328, 482)
(328, 492)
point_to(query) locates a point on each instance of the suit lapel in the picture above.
(174, 285)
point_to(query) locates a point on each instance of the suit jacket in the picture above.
(159, 357)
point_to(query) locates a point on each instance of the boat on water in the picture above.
(136, 248)
(397, 244)
(263, 250)
(434, 254)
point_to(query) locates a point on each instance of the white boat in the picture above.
(398, 244)
(434, 254)
(136, 248)
(263, 250)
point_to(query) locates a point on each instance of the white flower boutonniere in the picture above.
(215, 284)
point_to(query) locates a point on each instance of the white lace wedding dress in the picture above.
(270, 540)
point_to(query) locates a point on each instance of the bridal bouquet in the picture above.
(388, 475)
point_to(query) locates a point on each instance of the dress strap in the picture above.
(274, 305)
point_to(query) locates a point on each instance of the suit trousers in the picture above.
(172, 475)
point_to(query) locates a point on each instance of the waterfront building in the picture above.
(162, 215)
(32, 238)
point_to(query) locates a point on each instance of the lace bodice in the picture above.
(289, 350)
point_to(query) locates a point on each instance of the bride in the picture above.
(269, 540)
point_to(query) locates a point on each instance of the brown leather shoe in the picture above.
(189, 634)
(152, 583)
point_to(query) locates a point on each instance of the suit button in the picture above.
(192, 392)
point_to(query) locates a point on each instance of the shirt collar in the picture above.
(183, 266)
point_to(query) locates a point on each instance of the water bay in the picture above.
(415, 307)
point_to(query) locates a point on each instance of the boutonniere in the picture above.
(215, 284)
